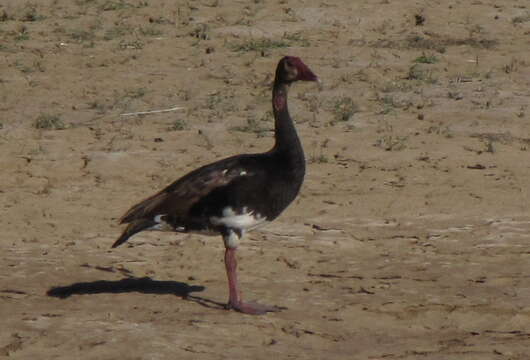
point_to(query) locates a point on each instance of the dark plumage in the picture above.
(236, 194)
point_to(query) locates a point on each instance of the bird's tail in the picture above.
(131, 229)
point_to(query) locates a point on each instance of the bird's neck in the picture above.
(287, 141)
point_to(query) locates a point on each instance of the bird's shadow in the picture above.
(144, 285)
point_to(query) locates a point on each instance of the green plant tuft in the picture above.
(49, 122)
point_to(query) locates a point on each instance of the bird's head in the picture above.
(292, 68)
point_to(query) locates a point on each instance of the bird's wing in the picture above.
(181, 195)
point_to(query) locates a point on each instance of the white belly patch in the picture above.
(246, 221)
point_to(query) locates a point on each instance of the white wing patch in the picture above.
(246, 221)
(161, 224)
(241, 172)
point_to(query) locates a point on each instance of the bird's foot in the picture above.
(253, 308)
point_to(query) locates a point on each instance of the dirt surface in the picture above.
(410, 239)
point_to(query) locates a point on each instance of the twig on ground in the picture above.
(152, 111)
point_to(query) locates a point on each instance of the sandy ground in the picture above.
(410, 239)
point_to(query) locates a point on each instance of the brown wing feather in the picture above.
(144, 207)
(131, 229)
(180, 196)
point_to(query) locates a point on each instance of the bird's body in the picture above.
(234, 195)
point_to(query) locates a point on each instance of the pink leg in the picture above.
(234, 301)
